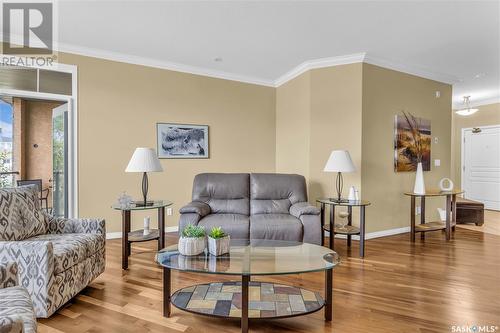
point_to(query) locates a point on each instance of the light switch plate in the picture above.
(169, 211)
(437, 162)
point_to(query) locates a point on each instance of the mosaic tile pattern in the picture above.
(266, 300)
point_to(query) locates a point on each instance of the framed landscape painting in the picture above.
(182, 140)
(405, 155)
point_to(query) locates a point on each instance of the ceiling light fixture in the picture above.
(467, 110)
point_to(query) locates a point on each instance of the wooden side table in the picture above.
(347, 230)
(129, 237)
(423, 227)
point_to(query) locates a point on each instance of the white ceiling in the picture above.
(260, 41)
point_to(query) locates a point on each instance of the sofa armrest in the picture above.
(8, 274)
(61, 225)
(303, 208)
(35, 262)
(196, 207)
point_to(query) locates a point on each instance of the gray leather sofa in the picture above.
(253, 206)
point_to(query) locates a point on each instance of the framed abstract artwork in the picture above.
(407, 152)
(182, 140)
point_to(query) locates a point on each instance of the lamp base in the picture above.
(143, 203)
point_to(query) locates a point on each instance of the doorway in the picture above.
(481, 165)
(34, 148)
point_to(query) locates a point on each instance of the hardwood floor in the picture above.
(399, 287)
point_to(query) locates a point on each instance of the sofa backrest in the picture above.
(20, 214)
(274, 193)
(224, 192)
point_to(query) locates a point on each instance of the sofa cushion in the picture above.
(20, 214)
(224, 193)
(15, 307)
(276, 226)
(274, 193)
(71, 249)
(236, 225)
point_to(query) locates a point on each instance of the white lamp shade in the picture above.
(339, 161)
(144, 160)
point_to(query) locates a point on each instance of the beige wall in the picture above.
(486, 116)
(118, 107)
(336, 98)
(385, 94)
(293, 125)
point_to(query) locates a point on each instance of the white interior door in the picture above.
(481, 165)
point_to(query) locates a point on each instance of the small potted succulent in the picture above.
(192, 241)
(218, 241)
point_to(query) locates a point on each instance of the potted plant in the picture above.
(418, 148)
(192, 241)
(218, 241)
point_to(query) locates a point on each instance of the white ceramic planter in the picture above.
(218, 246)
(190, 246)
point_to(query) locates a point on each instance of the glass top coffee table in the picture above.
(247, 299)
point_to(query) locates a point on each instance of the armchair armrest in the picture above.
(8, 275)
(303, 208)
(61, 225)
(196, 207)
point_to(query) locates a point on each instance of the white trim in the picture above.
(378, 234)
(420, 71)
(118, 234)
(319, 63)
(416, 70)
(143, 61)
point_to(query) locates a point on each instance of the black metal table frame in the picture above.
(126, 243)
(245, 282)
(349, 222)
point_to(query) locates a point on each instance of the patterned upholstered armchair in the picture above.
(56, 257)
(16, 309)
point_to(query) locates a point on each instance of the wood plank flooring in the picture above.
(399, 287)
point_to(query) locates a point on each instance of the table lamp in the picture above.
(339, 161)
(144, 160)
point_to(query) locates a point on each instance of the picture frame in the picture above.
(404, 156)
(181, 141)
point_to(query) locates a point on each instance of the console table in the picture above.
(129, 237)
(451, 213)
(349, 229)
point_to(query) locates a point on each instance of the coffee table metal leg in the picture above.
(166, 292)
(362, 232)
(161, 228)
(322, 217)
(349, 222)
(125, 243)
(332, 223)
(422, 215)
(328, 294)
(245, 281)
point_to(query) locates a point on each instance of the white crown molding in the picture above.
(475, 104)
(291, 74)
(416, 70)
(319, 63)
(148, 62)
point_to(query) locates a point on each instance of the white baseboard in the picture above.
(377, 234)
(118, 234)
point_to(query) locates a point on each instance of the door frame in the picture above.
(72, 101)
(462, 152)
